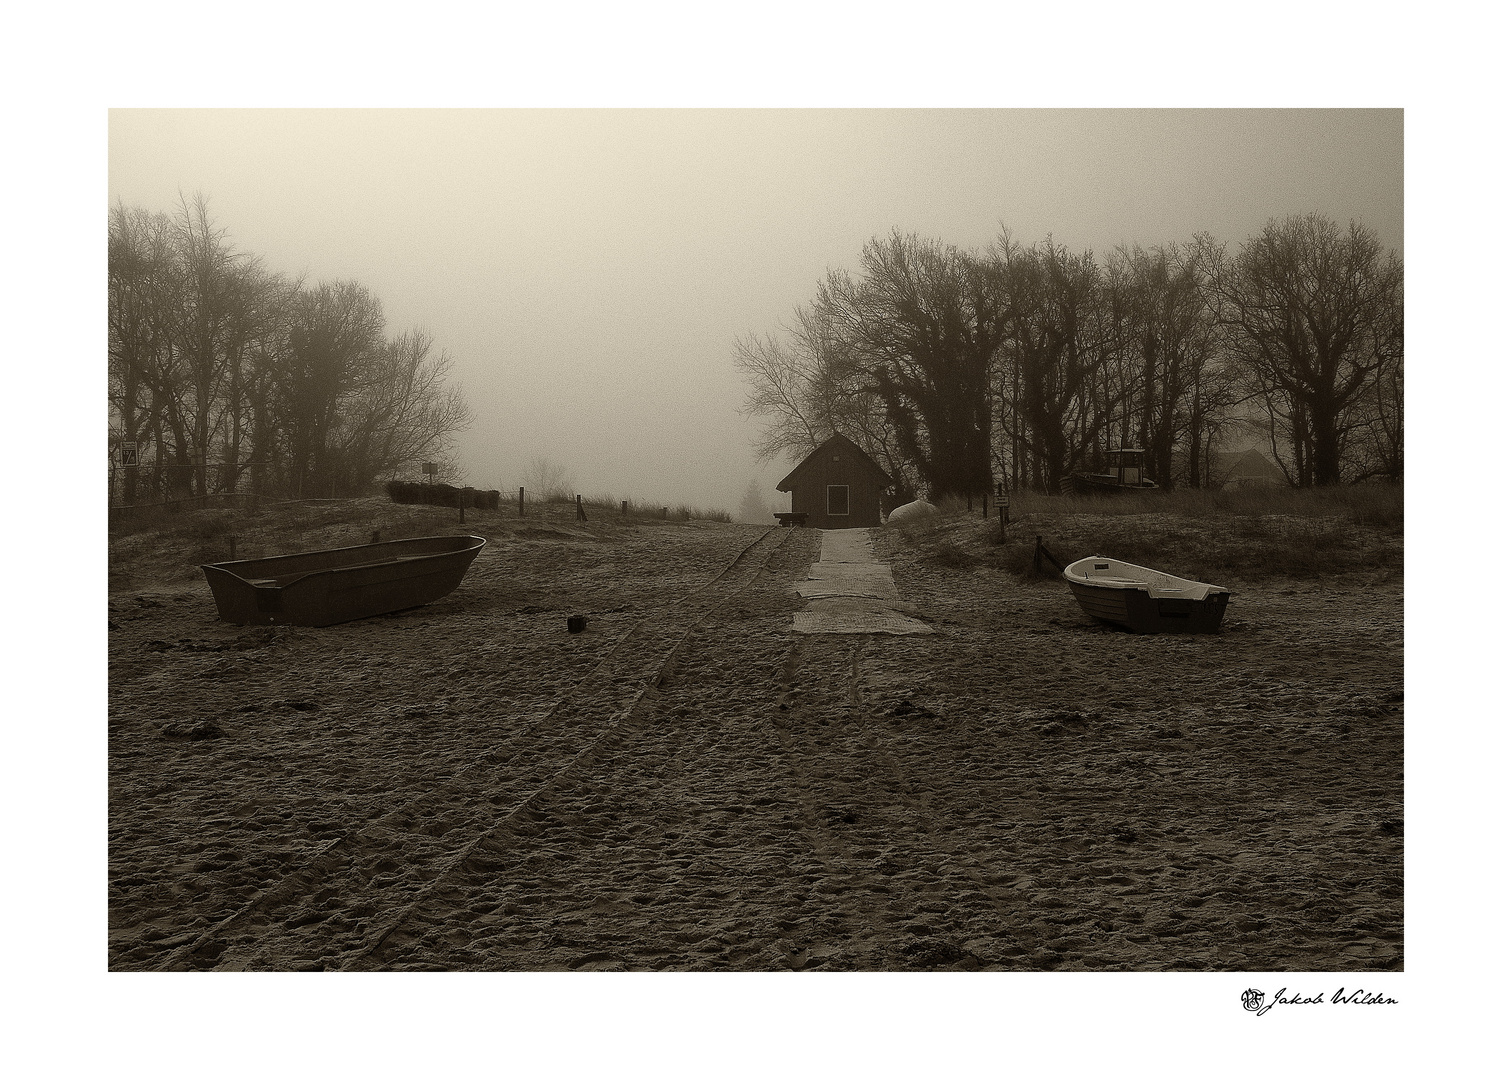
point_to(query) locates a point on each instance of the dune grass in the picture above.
(1252, 533)
(167, 545)
(652, 511)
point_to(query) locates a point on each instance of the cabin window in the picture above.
(839, 500)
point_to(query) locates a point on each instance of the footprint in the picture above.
(596, 961)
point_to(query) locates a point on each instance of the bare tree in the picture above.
(811, 384)
(1175, 386)
(926, 319)
(1302, 304)
(400, 414)
(139, 260)
(211, 355)
(1059, 340)
(781, 392)
(336, 334)
(1384, 403)
(546, 477)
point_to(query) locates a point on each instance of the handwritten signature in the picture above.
(1254, 1000)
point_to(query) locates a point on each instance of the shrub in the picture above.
(409, 492)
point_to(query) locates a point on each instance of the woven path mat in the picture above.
(850, 592)
(849, 579)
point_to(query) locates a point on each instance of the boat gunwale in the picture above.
(341, 591)
(277, 581)
(1151, 588)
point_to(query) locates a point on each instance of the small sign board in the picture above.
(1000, 500)
(429, 468)
(129, 454)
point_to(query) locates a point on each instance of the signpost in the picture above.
(129, 455)
(1000, 500)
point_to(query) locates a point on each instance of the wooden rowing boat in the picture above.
(1144, 600)
(319, 588)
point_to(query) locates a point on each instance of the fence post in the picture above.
(624, 507)
(462, 507)
(522, 502)
(580, 515)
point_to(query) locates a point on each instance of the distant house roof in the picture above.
(1248, 464)
(828, 446)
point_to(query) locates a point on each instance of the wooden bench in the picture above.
(787, 521)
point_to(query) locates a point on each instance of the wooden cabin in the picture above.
(838, 486)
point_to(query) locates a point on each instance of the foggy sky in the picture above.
(589, 271)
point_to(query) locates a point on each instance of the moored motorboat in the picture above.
(319, 588)
(1144, 600)
(1125, 472)
(1083, 483)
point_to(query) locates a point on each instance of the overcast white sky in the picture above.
(589, 271)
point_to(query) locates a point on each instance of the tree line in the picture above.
(960, 370)
(225, 376)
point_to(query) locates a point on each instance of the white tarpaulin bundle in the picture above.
(850, 592)
(918, 510)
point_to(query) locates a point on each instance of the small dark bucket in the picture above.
(576, 624)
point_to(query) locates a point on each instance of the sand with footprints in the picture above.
(691, 785)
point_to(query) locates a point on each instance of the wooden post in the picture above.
(462, 507)
(664, 513)
(522, 502)
(624, 507)
(580, 515)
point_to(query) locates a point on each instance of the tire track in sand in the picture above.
(311, 912)
(485, 850)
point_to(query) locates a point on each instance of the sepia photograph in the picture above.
(720, 540)
(677, 574)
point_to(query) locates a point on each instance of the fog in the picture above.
(588, 271)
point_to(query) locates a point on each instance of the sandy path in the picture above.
(1016, 791)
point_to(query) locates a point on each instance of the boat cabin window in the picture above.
(1129, 467)
(1099, 566)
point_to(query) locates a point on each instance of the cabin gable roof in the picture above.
(836, 443)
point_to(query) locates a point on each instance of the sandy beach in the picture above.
(689, 785)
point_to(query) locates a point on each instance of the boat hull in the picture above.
(1100, 484)
(336, 585)
(1143, 600)
(1136, 610)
